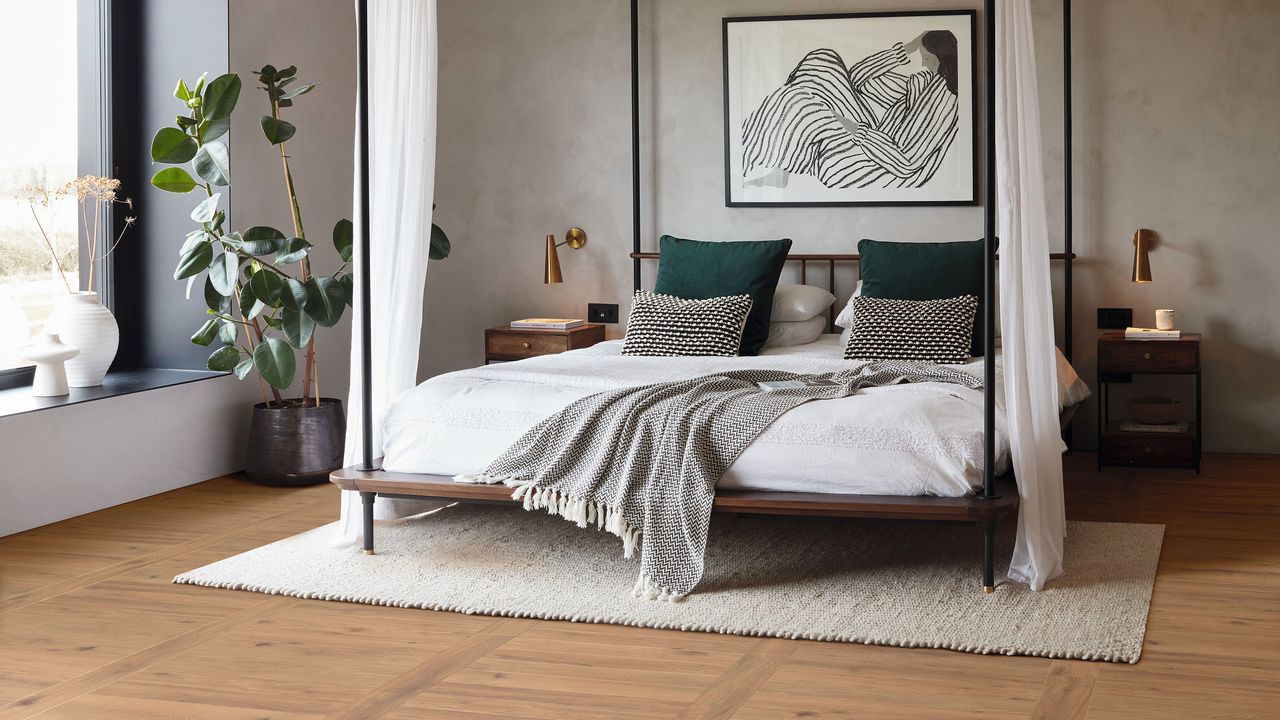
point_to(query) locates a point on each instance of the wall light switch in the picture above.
(1115, 318)
(602, 313)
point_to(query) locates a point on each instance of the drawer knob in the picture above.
(1146, 356)
(525, 345)
(1147, 449)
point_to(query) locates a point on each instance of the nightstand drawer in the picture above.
(523, 345)
(1155, 451)
(1148, 356)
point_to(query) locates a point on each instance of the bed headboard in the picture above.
(831, 260)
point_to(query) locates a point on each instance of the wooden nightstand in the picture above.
(508, 343)
(1118, 361)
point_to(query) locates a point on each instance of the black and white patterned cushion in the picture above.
(666, 325)
(938, 331)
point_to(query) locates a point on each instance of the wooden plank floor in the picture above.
(90, 627)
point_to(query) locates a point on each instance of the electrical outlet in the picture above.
(602, 313)
(1115, 318)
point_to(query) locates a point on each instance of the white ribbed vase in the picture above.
(82, 322)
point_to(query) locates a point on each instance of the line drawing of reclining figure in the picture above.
(867, 126)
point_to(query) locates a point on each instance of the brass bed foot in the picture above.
(370, 552)
(988, 588)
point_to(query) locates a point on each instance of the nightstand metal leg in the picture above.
(1102, 404)
(988, 557)
(366, 500)
(1199, 428)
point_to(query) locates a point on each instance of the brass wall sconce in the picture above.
(575, 239)
(1143, 241)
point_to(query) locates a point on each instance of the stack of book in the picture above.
(1135, 333)
(548, 323)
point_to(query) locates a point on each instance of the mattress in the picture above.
(911, 439)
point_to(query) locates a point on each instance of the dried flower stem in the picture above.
(84, 215)
(49, 243)
(128, 222)
(93, 243)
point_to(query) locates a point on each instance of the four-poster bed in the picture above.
(997, 499)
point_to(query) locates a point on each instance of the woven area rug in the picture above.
(900, 584)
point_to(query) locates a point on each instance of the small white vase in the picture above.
(82, 322)
(50, 356)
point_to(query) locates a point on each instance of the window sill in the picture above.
(18, 400)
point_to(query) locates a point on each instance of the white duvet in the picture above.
(920, 439)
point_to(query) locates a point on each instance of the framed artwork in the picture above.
(850, 109)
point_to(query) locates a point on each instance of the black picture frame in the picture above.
(973, 159)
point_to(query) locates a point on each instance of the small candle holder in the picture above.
(50, 356)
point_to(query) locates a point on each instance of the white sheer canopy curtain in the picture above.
(402, 154)
(1026, 305)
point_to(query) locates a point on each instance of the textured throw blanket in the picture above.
(643, 462)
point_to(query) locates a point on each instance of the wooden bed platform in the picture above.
(894, 507)
(983, 511)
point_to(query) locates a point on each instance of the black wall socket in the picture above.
(1115, 318)
(602, 313)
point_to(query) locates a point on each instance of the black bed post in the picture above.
(635, 142)
(366, 312)
(989, 305)
(366, 526)
(1067, 143)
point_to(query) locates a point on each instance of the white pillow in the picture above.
(795, 303)
(787, 334)
(845, 318)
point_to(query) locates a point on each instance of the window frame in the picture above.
(93, 146)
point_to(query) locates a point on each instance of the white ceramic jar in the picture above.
(84, 323)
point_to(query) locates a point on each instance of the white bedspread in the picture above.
(921, 439)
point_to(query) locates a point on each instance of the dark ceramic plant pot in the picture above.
(296, 445)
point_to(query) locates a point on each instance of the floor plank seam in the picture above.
(420, 678)
(719, 702)
(87, 682)
(62, 587)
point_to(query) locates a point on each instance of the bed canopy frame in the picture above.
(998, 498)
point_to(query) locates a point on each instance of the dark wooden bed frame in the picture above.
(998, 498)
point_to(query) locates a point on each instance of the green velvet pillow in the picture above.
(924, 271)
(699, 270)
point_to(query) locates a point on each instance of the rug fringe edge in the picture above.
(976, 649)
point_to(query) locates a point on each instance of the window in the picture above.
(44, 140)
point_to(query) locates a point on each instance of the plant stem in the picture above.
(265, 266)
(93, 245)
(84, 217)
(316, 377)
(262, 384)
(116, 244)
(257, 330)
(228, 318)
(52, 251)
(309, 367)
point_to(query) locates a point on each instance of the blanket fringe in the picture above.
(584, 513)
(479, 479)
(648, 589)
(577, 510)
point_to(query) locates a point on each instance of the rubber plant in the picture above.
(264, 299)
